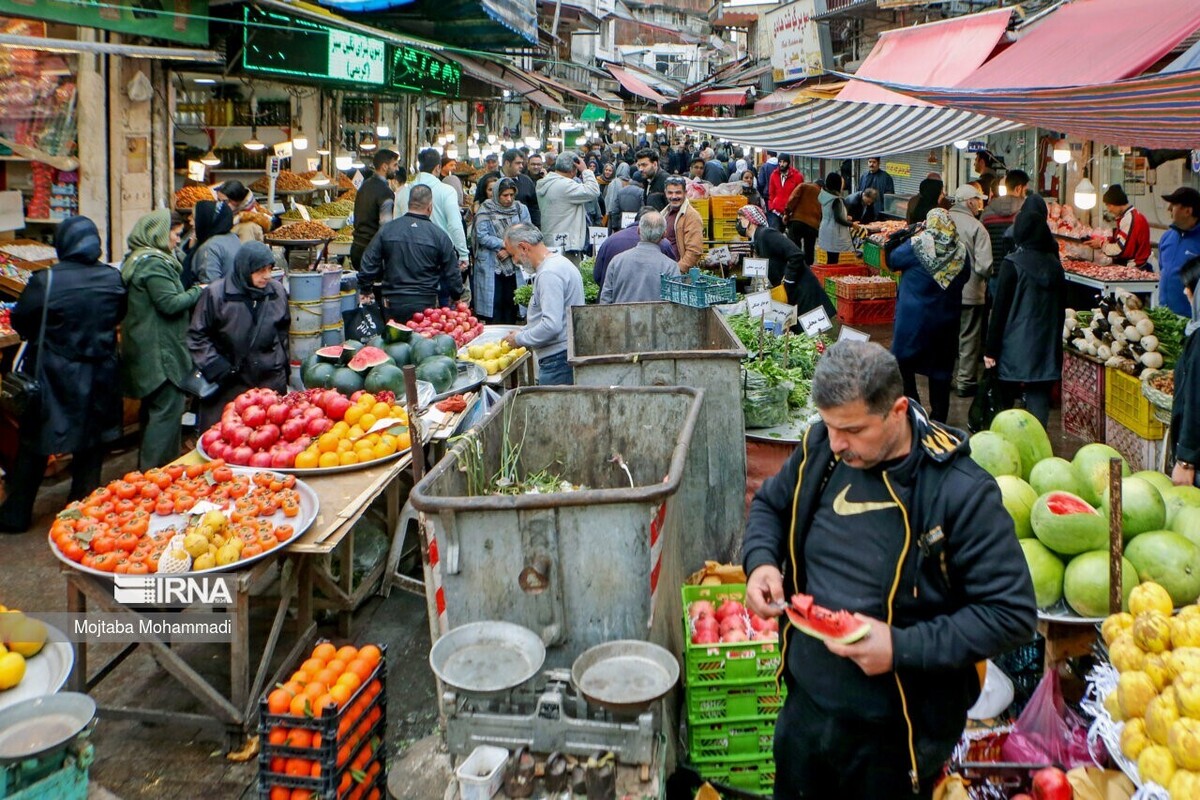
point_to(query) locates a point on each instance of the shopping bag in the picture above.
(363, 323)
(1047, 732)
(987, 403)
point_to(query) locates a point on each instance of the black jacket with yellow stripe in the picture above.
(961, 594)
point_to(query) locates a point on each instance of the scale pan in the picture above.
(487, 657)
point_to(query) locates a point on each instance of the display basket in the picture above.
(867, 312)
(755, 774)
(739, 663)
(1161, 403)
(863, 288)
(825, 258)
(831, 292)
(717, 742)
(718, 703)
(698, 291)
(1125, 403)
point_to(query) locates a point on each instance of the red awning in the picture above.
(635, 85)
(724, 97)
(1090, 42)
(937, 54)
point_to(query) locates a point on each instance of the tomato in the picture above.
(103, 544)
(127, 541)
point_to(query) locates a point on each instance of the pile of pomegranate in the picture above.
(730, 621)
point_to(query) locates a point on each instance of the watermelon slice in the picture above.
(821, 623)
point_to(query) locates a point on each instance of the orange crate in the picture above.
(867, 312)
(725, 206)
(1125, 403)
(823, 271)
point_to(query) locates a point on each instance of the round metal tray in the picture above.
(487, 657)
(626, 675)
(1061, 612)
(45, 673)
(321, 470)
(43, 724)
(296, 242)
(470, 377)
(309, 504)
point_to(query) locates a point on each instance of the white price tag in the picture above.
(853, 334)
(357, 180)
(754, 267)
(628, 218)
(597, 235)
(303, 209)
(719, 255)
(283, 149)
(561, 239)
(273, 166)
(782, 313)
(815, 321)
(758, 304)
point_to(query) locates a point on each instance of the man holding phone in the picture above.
(564, 201)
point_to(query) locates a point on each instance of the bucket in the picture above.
(304, 345)
(331, 283)
(331, 311)
(306, 316)
(295, 384)
(349, 281)
(349, 301)
(304, 287)
(332, 334)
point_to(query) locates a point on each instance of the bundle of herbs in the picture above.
(508, 479)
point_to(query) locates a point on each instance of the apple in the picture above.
(735, 636)
(255, 416)
(706, 623)
(278, 413)
(701, 608)
(732, 623)
(1051, 784)
(292, 429)
(729, 608)
(765, 636)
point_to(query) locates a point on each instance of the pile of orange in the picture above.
(348, 442)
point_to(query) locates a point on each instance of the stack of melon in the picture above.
(377, 365)
(1060, 511)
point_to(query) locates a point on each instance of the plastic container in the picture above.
(725, 206)
(331, 283)
(649, 344)
(349, 300)
(867, 312)
(306, 315)
(876, 289)
(331, 310)
(1083, 377)
(754, 774)
(482, 773)
(823, 257)
(717, 703)
(1125, 403)
(873, 254)
(303, 345)
(332, 334)
(740, 663)
(304, 287)
(1082, 419)
(717, 742)
(698, 291)
(826, 271)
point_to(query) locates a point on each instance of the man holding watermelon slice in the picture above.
(880, 514)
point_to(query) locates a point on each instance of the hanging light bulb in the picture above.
(343, 162)
(368, 143)
(473, 151)
(1062, 152)
(357, 163)
(383, 131)
(210, 159)
(441, 141)
(253, 144)
(493, 138)
(1002, 189)
(319, 179)
(962, 144)
(322, 149)
(452, 151)
(1085, 195)
(299, 140)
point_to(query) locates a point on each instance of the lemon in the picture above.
(12, 670)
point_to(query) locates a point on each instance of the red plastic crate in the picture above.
(1082, 419)
(823, 271)
(1083, 376)
(867, 312)
(1139, 452)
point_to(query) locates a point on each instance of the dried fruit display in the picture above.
(188, 196)
(304, 232)
(286, 181)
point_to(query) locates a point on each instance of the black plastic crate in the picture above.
(327, 724)
(326, 786)
(379, 783)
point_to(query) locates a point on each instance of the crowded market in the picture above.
(599, 399)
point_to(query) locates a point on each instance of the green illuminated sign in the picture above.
(299, 48)
(183, 21)
(418, 71)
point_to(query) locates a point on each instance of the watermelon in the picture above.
(376, 341)
(400, 352)
(1056, 475)
(320, 376)
(1024, 431)
(1160, 481)
(385, 377)
(1085, 583)
(1067, 525)
(1091, 462)
(331, 354)
(1170, 560)
(995, 454)
(1046, 570)
(1142, 507)
(423, 349)
(1178, 498)
(439, 371)
(368, 357)
(1019, 498)
(445, 345)
(821, 623)
(396, 332)
(346, 381)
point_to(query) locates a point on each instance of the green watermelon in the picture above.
(1026, 434)
(376, 341)
(346, 381)
(1091, 462)
(367, 358)
(439, 371)
(387, 377)
(423, 349)
(445, 345)
(1142, 507)
(320, 376)
(995, 454)
(400, 352)
(1068, 525)
(396, 332)
(331, 354)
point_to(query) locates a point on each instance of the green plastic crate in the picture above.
(738, 662)
(872, 254)
(719, 703)
(755, 775)
(716, 743)
(831, 291)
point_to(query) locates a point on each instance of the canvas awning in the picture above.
(636, 86)
(1189, 60)
(725, 97)
(779, 99)
(838, 129)
(1081, 43)
(503, 77)
(938, 54)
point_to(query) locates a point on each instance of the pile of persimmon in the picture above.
(109, 530)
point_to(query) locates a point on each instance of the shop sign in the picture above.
(898, 169)
(302, 49)
(976, 146)
(1134, 178)
(421, 72)
(799, 46)
(183, 21)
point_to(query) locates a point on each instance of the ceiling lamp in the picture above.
(322, 148)
(962, 144)
(1085, 195)
(1062, 152)
(357, 163)
(492, 138)
(299, 140)
(343, 162)
(253, 144)
(210, 159)
(368, 143)
(452, 151)
(383, 131)
(319, 179)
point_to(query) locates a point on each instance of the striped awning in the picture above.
(836, 129)
(1189, 60)
(1155, 111)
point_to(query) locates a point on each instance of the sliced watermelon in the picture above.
(821, 623)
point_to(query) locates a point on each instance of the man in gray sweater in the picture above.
(557, 285)
(635, 276)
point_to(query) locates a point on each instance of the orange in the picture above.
(279, 734)
(301, 677)
(324, 651)
(300, 738)
(403, 440)
(364, 454)
(366, 421)
(298, 766)
(340, 429)
(300, 794)
(313, 665)
(323, 702)
(316, 769)
(293, 688)
(314, 689)
(347, 457)
(340, 694)
(281, 793)
(350, 679)
(279, 701)
(328, 442)
(381, 450)
(328, 676)
(361, 668)
(366, 401)
(344, 446)
(336, 665)
(300, 705)
(347, 653)
(307, 460)
(329, 460)
(381, 411)
(353, 413)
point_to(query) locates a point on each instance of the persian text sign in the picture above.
(797, 42)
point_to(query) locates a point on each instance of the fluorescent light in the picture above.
(357, 163)
(210, 159)
(205, 81)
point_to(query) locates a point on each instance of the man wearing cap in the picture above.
(1130, 242)
(878, 179)
(1178, 245)
(783, 182)
(968, 204)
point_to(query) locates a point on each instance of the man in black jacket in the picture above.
(410, 256)
(373, 204)
(654, 179)
(882, 513)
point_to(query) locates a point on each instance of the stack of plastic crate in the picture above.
(733, 700)
(1083, 397)
(1132, 428)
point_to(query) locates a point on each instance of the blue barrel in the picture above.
(306, 316)
(304, 286)
(331, 311)
(331, 335)
(331, 283)
(304, 345)
(349, 301)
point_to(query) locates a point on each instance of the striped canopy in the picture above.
(837, 129)
(1154, 111)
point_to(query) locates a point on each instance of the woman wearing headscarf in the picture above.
(216, 243)
(936, 266)
(154, 359)
(749, 189)
(1185, 411)
(785, 262)
(1025, 333)
(496, 276)
(239, 332)
(250, 221)
(76, 363)
(833, 236)
(929, 196)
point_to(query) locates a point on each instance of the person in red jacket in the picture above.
(784, 181)
(1130, 242)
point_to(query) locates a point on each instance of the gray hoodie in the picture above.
(834, 234)
(979, 247)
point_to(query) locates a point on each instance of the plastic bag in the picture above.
(987, 403)
(1047, 732)
(764, 405)
(363, 323)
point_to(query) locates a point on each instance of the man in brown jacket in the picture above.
(803, 218)
(685, 229)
